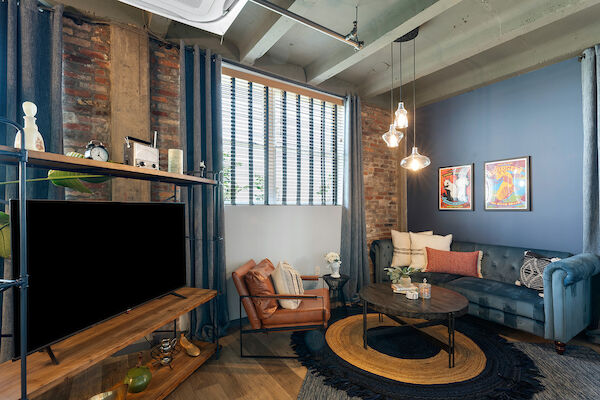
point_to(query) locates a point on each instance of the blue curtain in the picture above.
(353, 246)
(30, 70)
(201, 138)
(590, 84)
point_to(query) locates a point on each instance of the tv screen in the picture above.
(89, 261)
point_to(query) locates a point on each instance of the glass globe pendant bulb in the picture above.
(401, 117)
(392, 137)
(415, 161)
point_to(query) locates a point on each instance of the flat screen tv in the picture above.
(89, 261)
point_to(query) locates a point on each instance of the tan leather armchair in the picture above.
(313, 312)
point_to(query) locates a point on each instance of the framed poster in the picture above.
(455, 188)
(508, 184)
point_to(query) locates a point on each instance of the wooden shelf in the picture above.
(10, 155)
(165, 380)
(94, 344)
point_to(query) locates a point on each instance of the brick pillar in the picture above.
(380, 167)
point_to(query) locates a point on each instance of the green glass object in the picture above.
(4, 235)
(138, 379)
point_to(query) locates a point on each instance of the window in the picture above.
(280, 147)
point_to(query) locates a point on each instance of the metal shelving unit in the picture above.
(24, 158)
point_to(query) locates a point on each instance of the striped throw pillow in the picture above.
(402, 252)
(287, 281)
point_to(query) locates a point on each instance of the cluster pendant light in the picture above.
(415, 161)
(393, 136)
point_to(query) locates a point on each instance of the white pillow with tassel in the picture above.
(287, 281)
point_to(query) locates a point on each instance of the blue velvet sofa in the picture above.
(563, 312)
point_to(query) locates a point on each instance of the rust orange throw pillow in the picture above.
(258, 281)
(454, 262)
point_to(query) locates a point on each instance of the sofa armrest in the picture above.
(381, 253)
(576, 268)
(309, 277)
(567, 296)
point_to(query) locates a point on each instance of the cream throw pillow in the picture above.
(401, 242)
(419, 241)
(287, 281)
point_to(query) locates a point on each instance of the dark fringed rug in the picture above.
(506, 373)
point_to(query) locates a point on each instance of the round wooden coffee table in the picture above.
(441, 309)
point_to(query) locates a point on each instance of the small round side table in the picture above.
(336, 288)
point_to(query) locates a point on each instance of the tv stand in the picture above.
(92, 345)
(48, 350)
(177, 295)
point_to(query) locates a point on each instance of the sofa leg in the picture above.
(560, 347)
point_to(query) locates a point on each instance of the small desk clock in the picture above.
(95, 150)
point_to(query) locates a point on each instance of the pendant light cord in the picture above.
(414, 95)
(392, 83)
(400, 85)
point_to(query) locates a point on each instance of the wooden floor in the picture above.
(231, 377)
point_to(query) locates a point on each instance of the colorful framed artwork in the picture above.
(508, 184)
(455, 188)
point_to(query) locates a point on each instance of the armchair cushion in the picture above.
(258, 281)
(240, 284)
(310, 312)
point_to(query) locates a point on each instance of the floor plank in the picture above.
(235, 378)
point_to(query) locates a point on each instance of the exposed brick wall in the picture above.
(86, 93)
(380, 174)
(164, 107)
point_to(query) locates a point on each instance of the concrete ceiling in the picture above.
(462, 44)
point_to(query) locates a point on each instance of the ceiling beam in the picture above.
(550, 44)
(270, 30)
(406, 16)
(158, 25)
(514, 21)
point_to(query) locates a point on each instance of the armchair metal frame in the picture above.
(283, 328)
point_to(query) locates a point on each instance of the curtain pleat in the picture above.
(354, 232)
(201, 136)
(590, 85)
(33, 54)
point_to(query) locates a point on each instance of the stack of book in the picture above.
(398, 288)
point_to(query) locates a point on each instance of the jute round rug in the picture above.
(404, 365)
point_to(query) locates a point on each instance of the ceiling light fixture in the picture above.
(214, 16)
(415, 161)
(393, 136)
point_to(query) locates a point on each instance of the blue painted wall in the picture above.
(537, 114)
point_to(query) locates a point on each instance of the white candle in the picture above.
(175, 163)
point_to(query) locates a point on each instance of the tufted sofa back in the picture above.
(500, 263)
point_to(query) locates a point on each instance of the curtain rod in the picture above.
(281, 78)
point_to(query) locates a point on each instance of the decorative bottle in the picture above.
(33, 138)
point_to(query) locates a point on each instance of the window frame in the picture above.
(270, 146)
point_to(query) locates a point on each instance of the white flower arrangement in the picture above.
(332, 257)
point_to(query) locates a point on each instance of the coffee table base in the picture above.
(448, 347)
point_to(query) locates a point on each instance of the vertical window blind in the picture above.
(280, 147)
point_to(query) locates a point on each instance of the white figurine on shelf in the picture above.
(33, 138)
